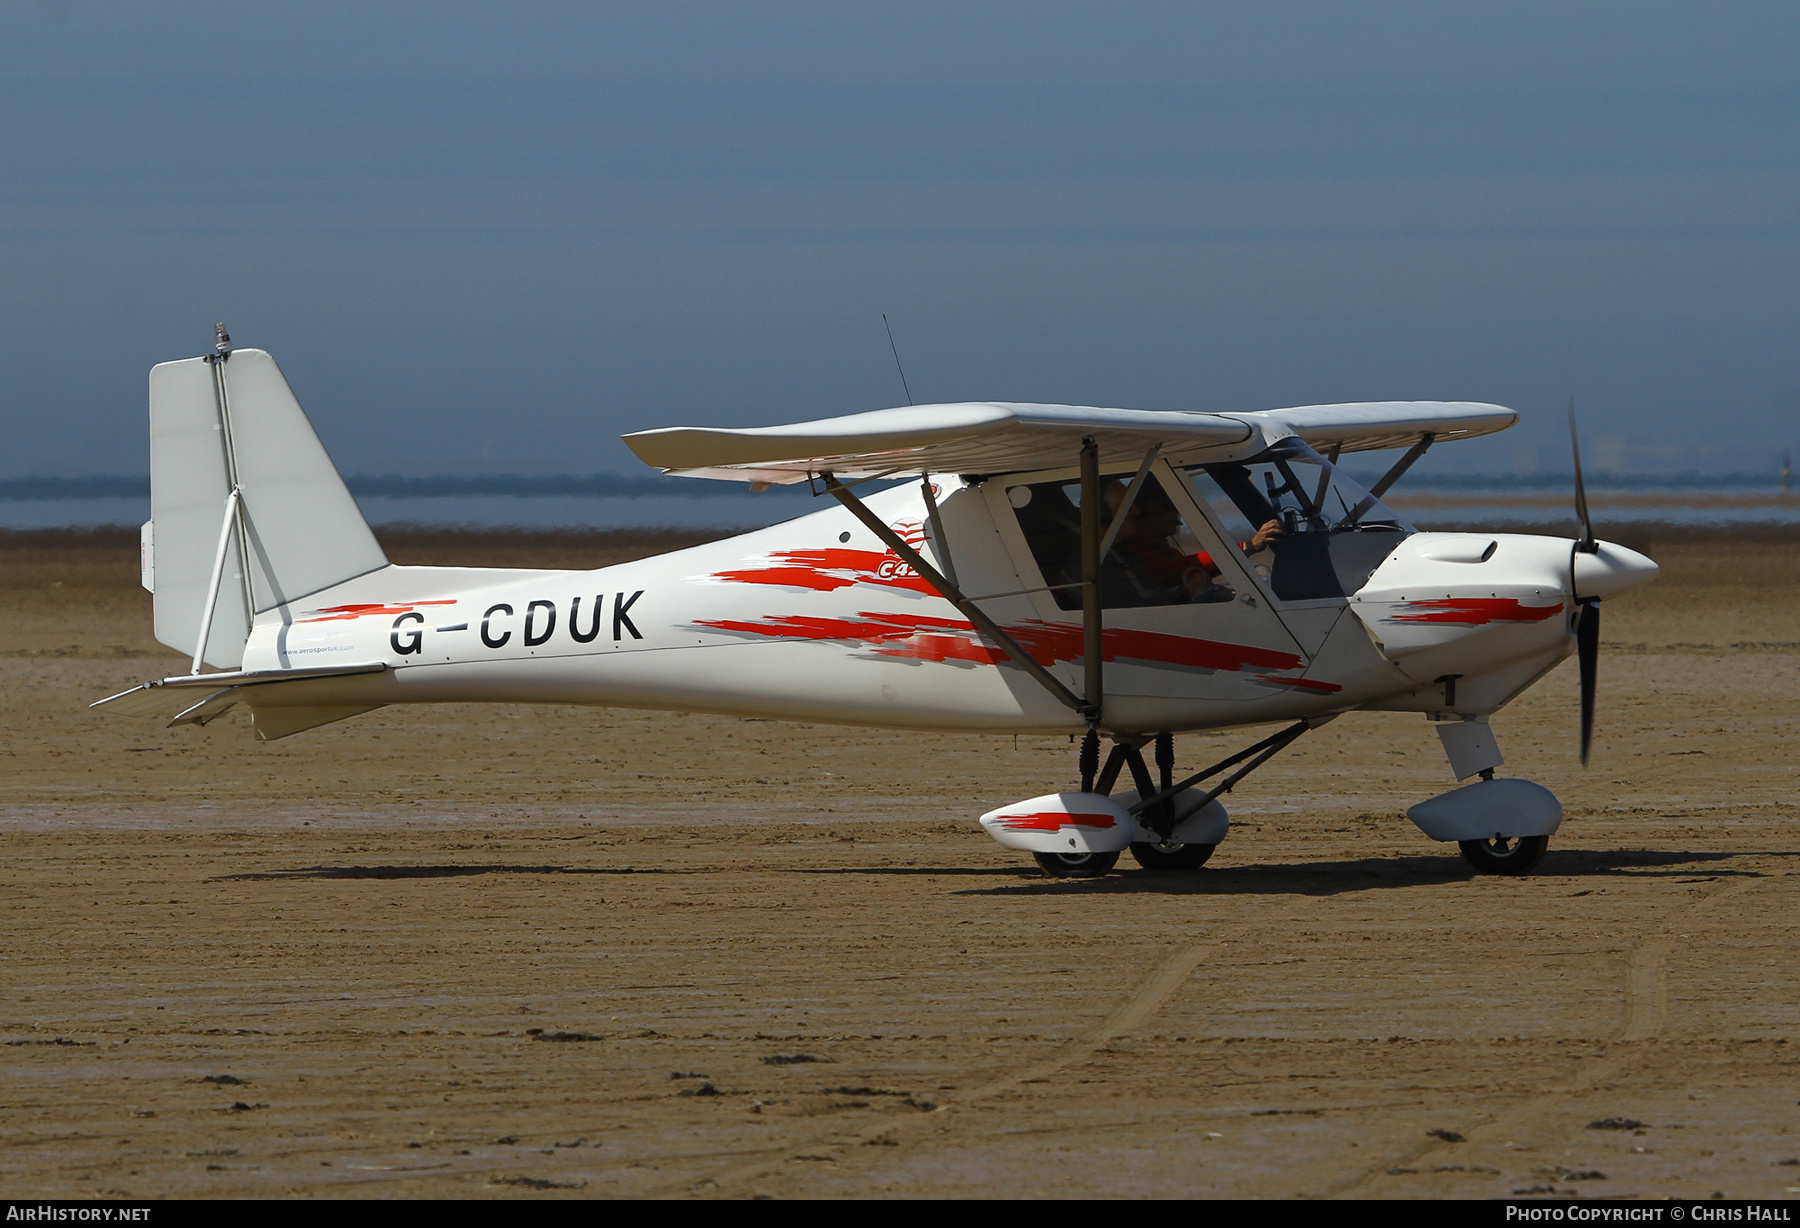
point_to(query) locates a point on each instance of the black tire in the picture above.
(1173, 857)
(1075, 865)
(1504, 855)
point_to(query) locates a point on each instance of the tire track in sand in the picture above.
(1138, 1006)
(1646, 1010)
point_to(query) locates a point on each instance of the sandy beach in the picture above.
(534, 951)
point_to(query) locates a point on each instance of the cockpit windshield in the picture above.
(1304, 527)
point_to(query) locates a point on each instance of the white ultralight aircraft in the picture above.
(1115, 574)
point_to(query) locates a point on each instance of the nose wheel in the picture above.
(1504, 854)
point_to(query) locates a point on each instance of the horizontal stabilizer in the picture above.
(176, 696)
(1000, 437)
(209, 709)
(280, 721)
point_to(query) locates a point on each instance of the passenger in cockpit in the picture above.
(1162, 572)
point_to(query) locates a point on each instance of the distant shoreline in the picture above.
(1726, 509)
(656, 485)
(504, 541)
(393, 486)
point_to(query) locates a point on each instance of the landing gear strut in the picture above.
(1155, 804)
(1165, 855)
(1501, 825)
(1159, 804)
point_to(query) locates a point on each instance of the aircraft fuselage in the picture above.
(816, 620)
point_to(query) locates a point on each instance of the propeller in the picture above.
(1587, 653)
(1587, 544)
(1587, 622)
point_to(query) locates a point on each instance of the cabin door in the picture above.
(1184, 615)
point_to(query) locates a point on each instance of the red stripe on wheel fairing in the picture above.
(1054, 820)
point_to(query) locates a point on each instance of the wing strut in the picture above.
(937, 526)
(949, 592)
(1403, 464)
(1092, 681)
(1392, 475)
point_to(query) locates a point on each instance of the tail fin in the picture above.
(226, 424)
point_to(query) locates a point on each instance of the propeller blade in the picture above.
(1587, 649)
(1587, 545)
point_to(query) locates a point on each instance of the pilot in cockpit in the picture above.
(1154, 564)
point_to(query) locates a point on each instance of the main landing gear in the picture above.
(1501, 826)
(1169, 827)
(1166, 854)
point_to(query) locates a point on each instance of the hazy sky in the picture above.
(492, 238)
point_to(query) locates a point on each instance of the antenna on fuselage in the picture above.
(896, 349)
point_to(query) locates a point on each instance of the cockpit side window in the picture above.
(1156, 558)
(1051, 522)
(1306, 529)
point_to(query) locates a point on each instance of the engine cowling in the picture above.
(1462, 603)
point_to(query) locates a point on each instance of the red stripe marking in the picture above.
(1477, 611)
(332, 613)
(1054, 820)
(1311, 684)
(795, 626)
(917, 637)
(835, 567)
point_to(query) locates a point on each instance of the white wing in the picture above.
(1363, 426)
(977, 437)
(1000, 437)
